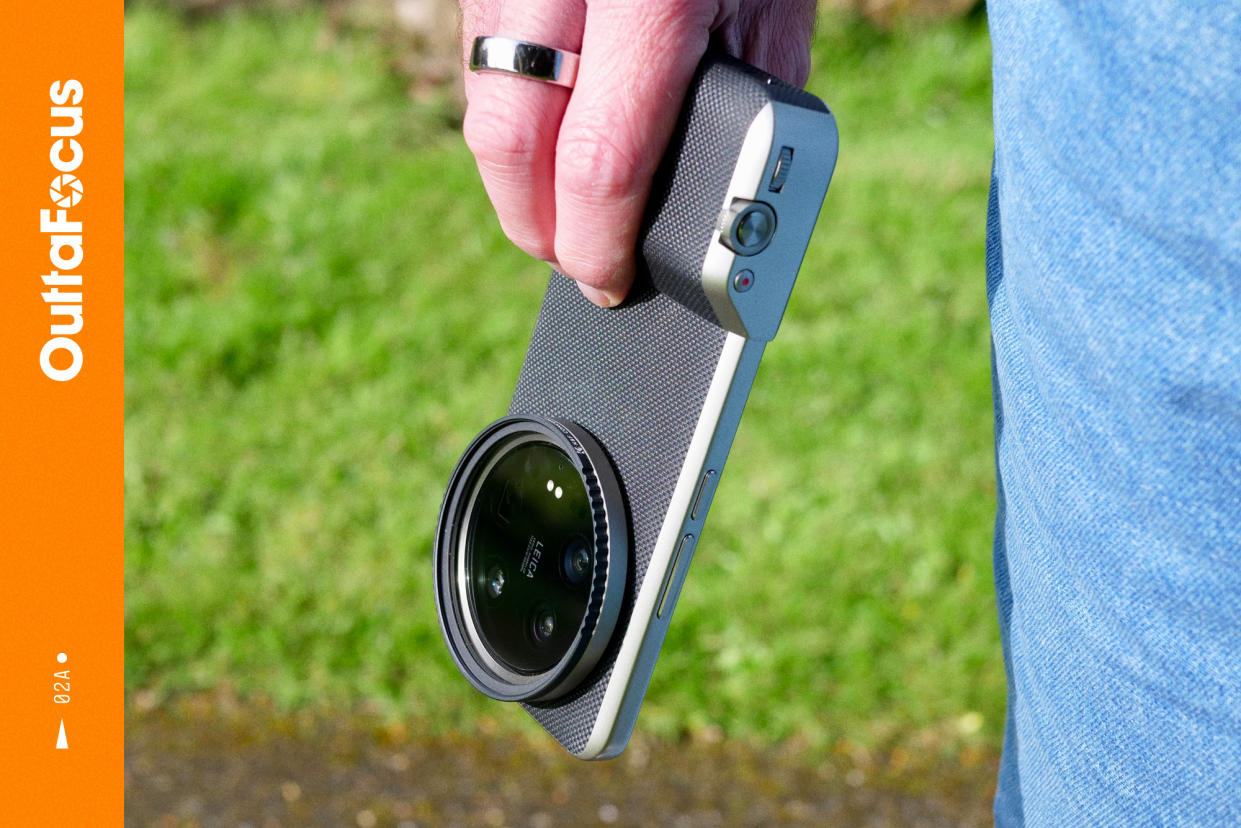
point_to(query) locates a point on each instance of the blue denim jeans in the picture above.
(1114, 282)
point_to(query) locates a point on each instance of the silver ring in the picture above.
(520, 57)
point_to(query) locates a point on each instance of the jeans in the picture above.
(1114, 284)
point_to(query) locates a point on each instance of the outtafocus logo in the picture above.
(61, 357)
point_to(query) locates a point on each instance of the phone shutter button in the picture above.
(702, 501)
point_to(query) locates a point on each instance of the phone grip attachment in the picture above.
(727, 197)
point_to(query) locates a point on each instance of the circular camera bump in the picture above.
(531, 556)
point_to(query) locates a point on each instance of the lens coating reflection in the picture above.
(495, 582)
(527, 556)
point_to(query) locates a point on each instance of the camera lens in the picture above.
(530, 504)
(544, 625)
(531, 558)
(576, 562)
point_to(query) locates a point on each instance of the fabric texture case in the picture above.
(636, 377)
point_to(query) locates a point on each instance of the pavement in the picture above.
(197, 762)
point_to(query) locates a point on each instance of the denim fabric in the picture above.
(1114, 282)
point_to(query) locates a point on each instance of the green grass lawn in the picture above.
(322, 311)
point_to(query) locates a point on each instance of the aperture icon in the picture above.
(66, 190)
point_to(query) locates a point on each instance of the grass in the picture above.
(321, 311)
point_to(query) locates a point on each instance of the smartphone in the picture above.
(568, 526)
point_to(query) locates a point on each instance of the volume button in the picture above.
(676, 574)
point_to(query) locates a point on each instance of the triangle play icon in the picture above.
(61, 742)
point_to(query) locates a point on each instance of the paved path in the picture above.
(204, 766)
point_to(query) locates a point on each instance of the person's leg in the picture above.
(1114, 282)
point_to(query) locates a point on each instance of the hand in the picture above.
(569, 171)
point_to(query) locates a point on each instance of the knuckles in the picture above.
(596, 167)
(512, 151)
(500, 136)
(599, 190)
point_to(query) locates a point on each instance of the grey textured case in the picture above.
(636, 376)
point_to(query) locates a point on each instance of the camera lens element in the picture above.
(544, 625)
(528, 503)
(576, 562)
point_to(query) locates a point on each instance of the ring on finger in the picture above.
(510, 56)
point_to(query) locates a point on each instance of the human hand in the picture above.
(569, 171)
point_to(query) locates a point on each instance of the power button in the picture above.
(706, 488)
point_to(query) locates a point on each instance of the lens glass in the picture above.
(576, 561)
(528, 556)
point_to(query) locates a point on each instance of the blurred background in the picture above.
(321, 312)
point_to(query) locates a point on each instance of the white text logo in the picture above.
(64, 236)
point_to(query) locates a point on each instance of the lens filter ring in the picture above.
(531, 558)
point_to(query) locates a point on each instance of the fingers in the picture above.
(637, 61)
(569, 173)
(773, 35)
(511, 123)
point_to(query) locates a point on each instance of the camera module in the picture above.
(531, 558)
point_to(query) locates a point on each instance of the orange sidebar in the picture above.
(61, 414)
